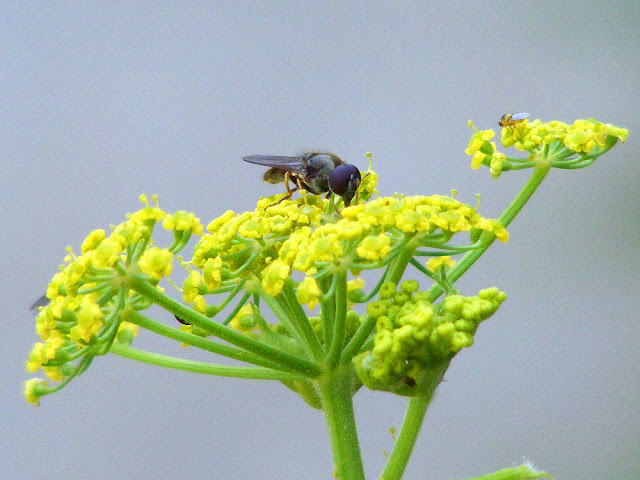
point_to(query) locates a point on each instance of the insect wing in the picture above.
(518, 116)
(43, 301)
(288, 164)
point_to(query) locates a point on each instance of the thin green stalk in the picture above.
(339, 320)
(418, 405)
(302, 365)
(236, 309)
(505, 219)
(399, 264)
(308, 334)
(328, 307)
(256, 373)
(358, 339)
(411, 427)
(335, 392)
(199, 342)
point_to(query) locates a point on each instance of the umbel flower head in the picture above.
(298, 237)
(413, 337)
(88, 295)
(555, 144)
(298, 251)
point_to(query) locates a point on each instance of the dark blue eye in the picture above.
(344, 180)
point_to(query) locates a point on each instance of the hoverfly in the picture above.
(316, 172)
(510, 119)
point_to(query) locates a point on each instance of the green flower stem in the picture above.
(308, 334)
(539, 174)
(521, 472)
(232, 295)
(399, 264)
(339, 320)
(199, 342)
(201, 367)
(280, 308)
(418, 405)
(358, 339)
(301, 365)
(236, 309)
(335, 392)
(411, 427)
(327, 310)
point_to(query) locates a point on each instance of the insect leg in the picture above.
(290, 191)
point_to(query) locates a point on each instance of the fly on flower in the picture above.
(316, 172)
(510, 119)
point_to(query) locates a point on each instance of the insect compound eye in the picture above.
(344, 180)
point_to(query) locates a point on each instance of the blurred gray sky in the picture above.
(102, 101)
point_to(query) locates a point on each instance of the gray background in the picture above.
(103, 101)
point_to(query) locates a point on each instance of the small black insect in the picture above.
(43, 301)
(316, 172)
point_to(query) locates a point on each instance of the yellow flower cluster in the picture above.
(244, 320)
(412, 335)
(580, 137)
(273, 242)
(480, 146)
(84, 295)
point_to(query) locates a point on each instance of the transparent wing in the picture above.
(519, 116)
(288, 164)
(43, 301)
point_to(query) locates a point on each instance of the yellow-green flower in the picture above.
(190, 286)
(497, 160)
(308, 292)
(440, 262)
(244, 320)
(480, 146)
(183, 221)
(156, 262)
(31, 390)
(148, 214)
(93, 240)
(90, 321)
(212, 272)
(273, 277)
(374, 247)
(106, 254)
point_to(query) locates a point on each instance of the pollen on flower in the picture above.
(438, 262)
(273, 277)
(156, 262)
(93, 240)
(183, 221)
(308, 292)
(212, 273)
(148, 214)
(374, 247)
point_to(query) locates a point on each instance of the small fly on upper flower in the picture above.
(510, 119)
(316, 172)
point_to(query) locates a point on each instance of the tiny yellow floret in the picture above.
(31, 388)
(156, 262)
(93, 240)
(440, 262)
